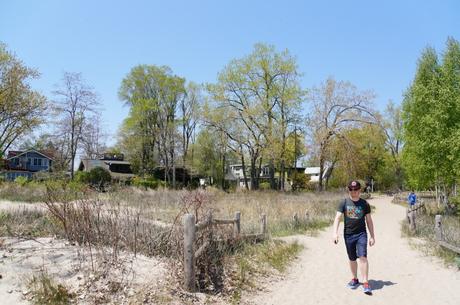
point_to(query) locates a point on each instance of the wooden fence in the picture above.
(411, 216)
(440, 236)
(190, 230)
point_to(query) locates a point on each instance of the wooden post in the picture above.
(438, 228)
(237, 224)
(412, 220)
(263, 224)
(295, 218)
(189, 259)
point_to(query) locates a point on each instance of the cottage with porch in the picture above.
(26, 164)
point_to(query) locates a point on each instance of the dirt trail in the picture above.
(397, 272)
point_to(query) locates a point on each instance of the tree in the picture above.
(431, 114)
(75, 105)
(93, 139)
(189, 111)
(337, 107)
(21, 108)
(259, 94)
(153, 93)
(392, 126)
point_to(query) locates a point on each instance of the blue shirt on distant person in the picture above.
(412, 199)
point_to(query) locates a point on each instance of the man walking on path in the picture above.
(357, 213)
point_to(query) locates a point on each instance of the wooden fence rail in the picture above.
(190, 230)
(411, 215)
(440, 236)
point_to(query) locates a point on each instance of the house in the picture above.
(235, 173)
(115, 164)
(26, 163)
(313, 173)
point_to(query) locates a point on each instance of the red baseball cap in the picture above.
(354, 185)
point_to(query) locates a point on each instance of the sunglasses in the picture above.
(353, 189)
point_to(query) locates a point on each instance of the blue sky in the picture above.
(373, 44)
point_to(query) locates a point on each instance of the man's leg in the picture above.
(350, 242)
(354, 269)
(361, 249)
(364, 268)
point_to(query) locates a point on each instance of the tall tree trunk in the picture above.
(282, 175)
(271, 172)
(321, 170)
(243, 165)
(223, 172)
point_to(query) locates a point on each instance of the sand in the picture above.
(398, 272)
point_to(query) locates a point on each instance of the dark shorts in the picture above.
(356, 245)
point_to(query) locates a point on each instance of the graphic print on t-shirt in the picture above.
(354, 212)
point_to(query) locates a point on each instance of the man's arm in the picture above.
(370, 226)
(335, 227)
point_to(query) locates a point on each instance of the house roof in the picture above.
(89, 164)
(17, 153)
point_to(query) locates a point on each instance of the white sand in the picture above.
(398, 273)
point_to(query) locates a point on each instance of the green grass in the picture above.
(45, 291)
(260, 260)
(292, 227)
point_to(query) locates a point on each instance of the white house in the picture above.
(313, 173)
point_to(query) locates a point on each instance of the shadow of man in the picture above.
(378, 284)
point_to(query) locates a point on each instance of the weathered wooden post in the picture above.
(438, 228)
(237, 224)
(189, 259)
(412, 219)
(295, 218)
(263, 224)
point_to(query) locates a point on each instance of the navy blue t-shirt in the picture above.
(354, 212)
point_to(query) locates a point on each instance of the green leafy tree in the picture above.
(21, 108)
(260, 96)
(153, 94)
(431, 114)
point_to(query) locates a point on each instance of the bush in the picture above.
(149, 182)
(264, 185)
(299, 182)
(99, 176)
(22, 181)
(82, 177)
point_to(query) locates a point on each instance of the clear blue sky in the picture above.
(373, 44)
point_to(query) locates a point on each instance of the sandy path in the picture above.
(397, 272)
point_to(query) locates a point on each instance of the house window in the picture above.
(37, 161)
(265, 171)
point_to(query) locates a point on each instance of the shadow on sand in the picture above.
(378, 284)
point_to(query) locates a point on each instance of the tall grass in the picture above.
(165, 205)
(30, 192)
(425, 229)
